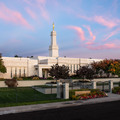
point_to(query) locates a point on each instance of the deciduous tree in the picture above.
(2, 67)
(58, 72)
(85, 72)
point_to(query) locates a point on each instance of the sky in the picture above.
(85, 28)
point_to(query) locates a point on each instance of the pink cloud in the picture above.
(41, 1)
(104, 46)
(44, 12)
(110, 23)
(93, 37)
(13, 16)
(79, 31)
(112, 34)
(31, 13)
(106, 22)
(28, 2)
(41, 5)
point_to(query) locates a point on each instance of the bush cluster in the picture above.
(19, 78)
(116, 90)
(35, 78)
(11, 83)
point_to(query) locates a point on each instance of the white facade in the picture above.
(20, 67)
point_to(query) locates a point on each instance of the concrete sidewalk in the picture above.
(28, 108)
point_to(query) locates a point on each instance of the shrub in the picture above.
(27, 78)
(19, 79)
(11, 83)
(49, 78)
(35, 78)
(116, 90)
(1, 78)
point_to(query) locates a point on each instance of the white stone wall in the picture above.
(18, 67)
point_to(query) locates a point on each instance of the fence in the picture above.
(105, 85)
(81, 85)
(102, 85)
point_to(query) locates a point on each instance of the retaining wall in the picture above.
(28, 83)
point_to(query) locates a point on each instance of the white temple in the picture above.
(21, 67)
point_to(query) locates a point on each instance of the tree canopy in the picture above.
(85, 72)
(58, 72)
(107, 67)
(2, 67)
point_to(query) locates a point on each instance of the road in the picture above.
(101, 111)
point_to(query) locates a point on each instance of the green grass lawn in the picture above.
(24, 96)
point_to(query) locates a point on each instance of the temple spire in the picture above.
(53, 48)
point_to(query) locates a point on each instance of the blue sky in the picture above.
(85, 28)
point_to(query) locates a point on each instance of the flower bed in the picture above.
(116, 90)
(95, 93)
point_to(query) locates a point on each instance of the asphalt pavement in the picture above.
(99, 111)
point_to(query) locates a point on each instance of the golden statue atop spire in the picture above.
(53, 26)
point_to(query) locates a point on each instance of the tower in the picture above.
(53, 48)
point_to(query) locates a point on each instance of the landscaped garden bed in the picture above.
(94, 93)
(116, 90)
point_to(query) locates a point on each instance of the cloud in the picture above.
(112, 34)
(41, 5)
(93, 37)
(41, 1)
(105, 22)
(115, 5)
(110, 23)
(104, 46)
(31, 13)
(12, 16)
(79, 31)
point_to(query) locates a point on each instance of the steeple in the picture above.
(53, 48)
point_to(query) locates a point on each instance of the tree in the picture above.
(16, 56)
(58, 72)
(2, 67)
(102, 67)
(115, 67)
(85, 72)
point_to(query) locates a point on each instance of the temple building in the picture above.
(23, 67)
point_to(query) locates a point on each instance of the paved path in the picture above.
(28, 108)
